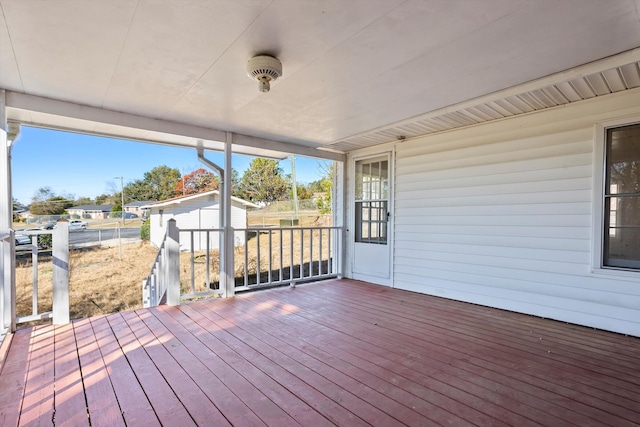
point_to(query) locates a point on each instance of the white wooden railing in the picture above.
(293, 255)
(164, 271)
(60, 273)
(264, 257)
(60, 267)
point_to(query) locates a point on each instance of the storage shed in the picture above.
(201, 211)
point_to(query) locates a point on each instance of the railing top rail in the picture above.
(34, 232)
(6, 234)
(186, 230)
(265, 228)
(260, 228)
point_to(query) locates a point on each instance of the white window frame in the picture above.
(599, 176)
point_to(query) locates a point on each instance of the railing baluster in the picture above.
(270, 256)
(311, 252)
(280, 278)
(258, 260)
(246, 257)
(301, 253)
(329, 263)
(208, 261)
(321, 255)
(34, 264)
(291, 255)
(193, 265)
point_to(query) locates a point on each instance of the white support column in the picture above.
(227, 252)
(340, 216)
(6, 222)
(172, 260)
(60, 255)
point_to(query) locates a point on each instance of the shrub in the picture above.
(45, 241)
(145, 230)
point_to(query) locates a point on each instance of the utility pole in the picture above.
(121, 195)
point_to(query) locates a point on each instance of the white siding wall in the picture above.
(501, 215)
(157, 230)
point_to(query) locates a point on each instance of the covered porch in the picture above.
(338, 352)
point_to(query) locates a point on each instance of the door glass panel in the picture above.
(371, 205)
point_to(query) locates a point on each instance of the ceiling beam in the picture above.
(55, 107)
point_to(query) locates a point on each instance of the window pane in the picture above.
(622, 248)
(384, 175)
(623, 160)
(622, 213)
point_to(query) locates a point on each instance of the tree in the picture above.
(323, 188)
(83, 201)
(46, 202)
(263, 182)
(162, 180)
(235, 183)
(198, 181)
(157, 184)
(103, 199)
(303, 192)
(117, 204)
(138, 190)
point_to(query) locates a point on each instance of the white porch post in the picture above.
(60, 256)
(340, 217)
(172, 263)
(227, 262)
(6, 222)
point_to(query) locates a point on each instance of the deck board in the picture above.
(133, 403)
(340, 352)
(101, 398)
(38, 401)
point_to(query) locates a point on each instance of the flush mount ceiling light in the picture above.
(265, 69)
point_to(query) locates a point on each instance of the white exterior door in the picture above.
(372, 210)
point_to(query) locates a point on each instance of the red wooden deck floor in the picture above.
(335, 353)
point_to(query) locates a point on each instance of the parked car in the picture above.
(49, 226)
(21, 239)
(77, 224)
(128, 215)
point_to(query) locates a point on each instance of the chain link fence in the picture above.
(278, 214)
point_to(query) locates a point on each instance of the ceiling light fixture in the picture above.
(265, 69)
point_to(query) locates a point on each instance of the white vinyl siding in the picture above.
(501, 214)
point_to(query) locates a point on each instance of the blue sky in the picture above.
(85, 166)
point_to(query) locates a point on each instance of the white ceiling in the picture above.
(351, 67)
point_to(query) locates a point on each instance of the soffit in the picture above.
(512, 102)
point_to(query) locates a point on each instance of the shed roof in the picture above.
(140, 203)
(182, 199)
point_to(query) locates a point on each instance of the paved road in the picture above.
(81, 237)
(92, 237)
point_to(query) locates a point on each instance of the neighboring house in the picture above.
(196, 211)
(138, 207)
(91, 211)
